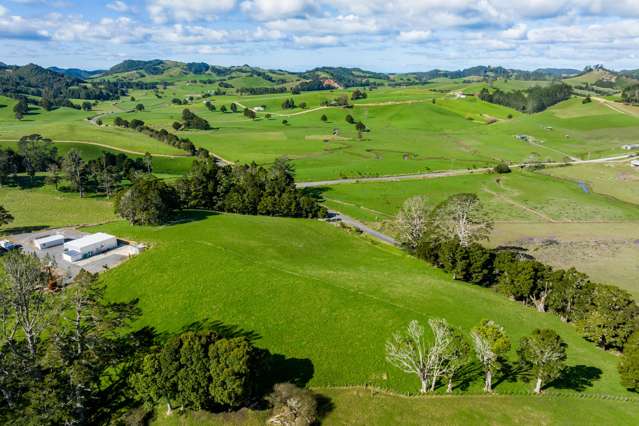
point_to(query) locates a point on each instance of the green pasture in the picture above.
(322, 298)
(40, 207)
(619, 180)
(518, 196)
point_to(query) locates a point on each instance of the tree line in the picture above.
(631, 94)
(161, 135)
(450, 353)
(448, 236)
(38, 154)
(244, 189)
(532, 100)
(68, 355)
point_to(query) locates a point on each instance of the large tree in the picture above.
(148, 201)
(462, 217)
(37, 153)
(491, 344)
(412, 221)
(75, 170)
(412, 354)
(544, 353)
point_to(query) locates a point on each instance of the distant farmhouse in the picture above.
(635, 163)
(630, 147)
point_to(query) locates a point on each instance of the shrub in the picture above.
(502, 168)
(292, 406)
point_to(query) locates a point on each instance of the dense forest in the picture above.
(535, 99)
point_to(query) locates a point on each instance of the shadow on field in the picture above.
(188, 216)
(577, 378)
(24, 229)
(225, 330)
(315, 192)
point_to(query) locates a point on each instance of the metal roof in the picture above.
(48, 239)
(89, 240)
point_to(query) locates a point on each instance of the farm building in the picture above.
(48, 242)
(634, 163)
(88, 246)
(630, 147)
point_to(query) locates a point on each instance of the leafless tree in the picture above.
(24, 297)
(412, 221)
(462, 216)
(413, 355)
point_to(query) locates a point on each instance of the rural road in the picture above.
(337, 216)
(444, 173)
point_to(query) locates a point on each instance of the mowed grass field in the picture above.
(320, 297)
(366, 407)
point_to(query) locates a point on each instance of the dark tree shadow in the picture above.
(27, 182)
(315, 192)
(468, 375)
(298, 371)
(227, 331)
(188, 216)
(577, 378)
(324, 407)
(24, 229)
(508, 373)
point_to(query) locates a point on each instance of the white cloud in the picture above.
(265, 10)
(3, 10)
(516, 32)
(414, 36)
(162, 11)
(118, 6)
(316, 41)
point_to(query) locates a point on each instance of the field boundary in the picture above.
(496, 394)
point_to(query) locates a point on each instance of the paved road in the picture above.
(334, 215)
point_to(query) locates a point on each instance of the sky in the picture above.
(379, 35)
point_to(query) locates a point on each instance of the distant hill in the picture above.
(558, 72)
(601, 80)
(76, 72)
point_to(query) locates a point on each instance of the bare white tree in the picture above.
(486, 357)
(412, 220)
(411, 354)
(491, 342)
(23, 289)
(462, 216)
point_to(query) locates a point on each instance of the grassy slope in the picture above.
(46, 208)
(515, 197)
(312, 292)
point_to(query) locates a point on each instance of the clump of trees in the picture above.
(502, 168)
(192, 121)
(292, 405)
(441, 360)
(288, 103)
(161, 135)
(200, 370)
(535, 99)
(247, 189)
(148, 201)
(448, 236)
(630, 94)
(358, 94)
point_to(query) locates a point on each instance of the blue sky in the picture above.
(382, 35)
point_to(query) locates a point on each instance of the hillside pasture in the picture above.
(318, 296)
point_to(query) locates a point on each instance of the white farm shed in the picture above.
(88, 246)
(48, 242)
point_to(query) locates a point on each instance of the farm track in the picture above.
(519, 205)
(615, 108)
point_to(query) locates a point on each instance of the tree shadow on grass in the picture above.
(24, 229)
(315, 192)
(509, 373)
(27, 182)
(466, 376)
(577, 378)
(188, 216)
(227, 331)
